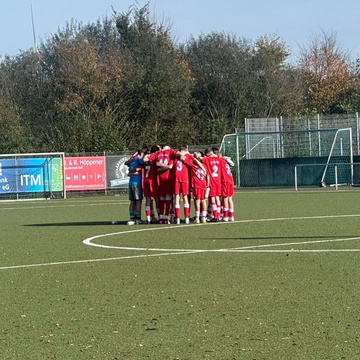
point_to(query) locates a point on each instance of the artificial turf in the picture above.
(282, 286)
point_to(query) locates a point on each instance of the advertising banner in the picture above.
(7, 176)
(116, 172)
(30, 175)
(56, 174)
(85, 173)
(40, 174)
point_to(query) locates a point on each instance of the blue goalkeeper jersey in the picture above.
(135, 179)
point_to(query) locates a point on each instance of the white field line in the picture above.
(63, 206)
(91, 260)
(67, 200)
(247, 249)
(89, 241)
(289, 251)
(292, 243)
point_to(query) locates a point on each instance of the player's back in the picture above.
(150, 173)
(165, 157)
(197, 174)
(135, 166)
(226, 173)
(213, 166)
(181, 170)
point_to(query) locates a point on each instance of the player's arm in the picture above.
(228, 160)
(131, 159)
(207, 181)
(163, 167)
(151, 157)
(200, 165)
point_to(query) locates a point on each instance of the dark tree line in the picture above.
(123, 81)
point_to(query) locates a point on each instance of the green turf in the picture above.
(279, 299)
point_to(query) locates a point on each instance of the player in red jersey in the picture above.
(227, 190)
(199, 185)
(182, 184)
(164, 160)
(212, 164)
(150, 187)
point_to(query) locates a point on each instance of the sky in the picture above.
(294, 21)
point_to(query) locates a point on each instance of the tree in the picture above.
(220, 65)
(279, 86)
(157, 81)
(327, 73)
(12, 135)
(236, 78)
(67, 93)
(25, 96)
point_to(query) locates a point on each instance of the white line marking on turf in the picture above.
(92, 260)
(292, 251)
(62, 206)
(296, 243)
(89, 241)
(246, 249)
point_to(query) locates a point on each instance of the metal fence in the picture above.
(315, 122)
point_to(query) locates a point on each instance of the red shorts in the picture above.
(215, 191)
(150, 188)
(166, 187)
(181, 188)
(199, 193)
(227, 189)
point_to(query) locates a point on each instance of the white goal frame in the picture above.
(331, 152)
(22, 156)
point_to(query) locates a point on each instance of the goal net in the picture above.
(268, 159)
(336, 171)
(32, 176)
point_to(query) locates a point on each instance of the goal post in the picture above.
(32, 176)
(336, 170)
(267, 159)
(337, 152)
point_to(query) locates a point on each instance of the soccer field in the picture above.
(281, 282)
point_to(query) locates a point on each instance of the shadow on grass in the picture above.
(81, 223)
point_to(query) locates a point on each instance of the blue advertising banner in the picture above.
(7, 176)
(30, 175)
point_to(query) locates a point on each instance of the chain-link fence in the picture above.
(269, 158)
(315, 122)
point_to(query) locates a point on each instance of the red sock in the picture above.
(186, 211)
(215, 210)
(177, 211)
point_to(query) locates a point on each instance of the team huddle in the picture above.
(164, 175)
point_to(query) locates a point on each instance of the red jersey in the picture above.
(213, 165)
(181, 170)
(226, 174)
(198, 176)
(165, 157)
(150, 172)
